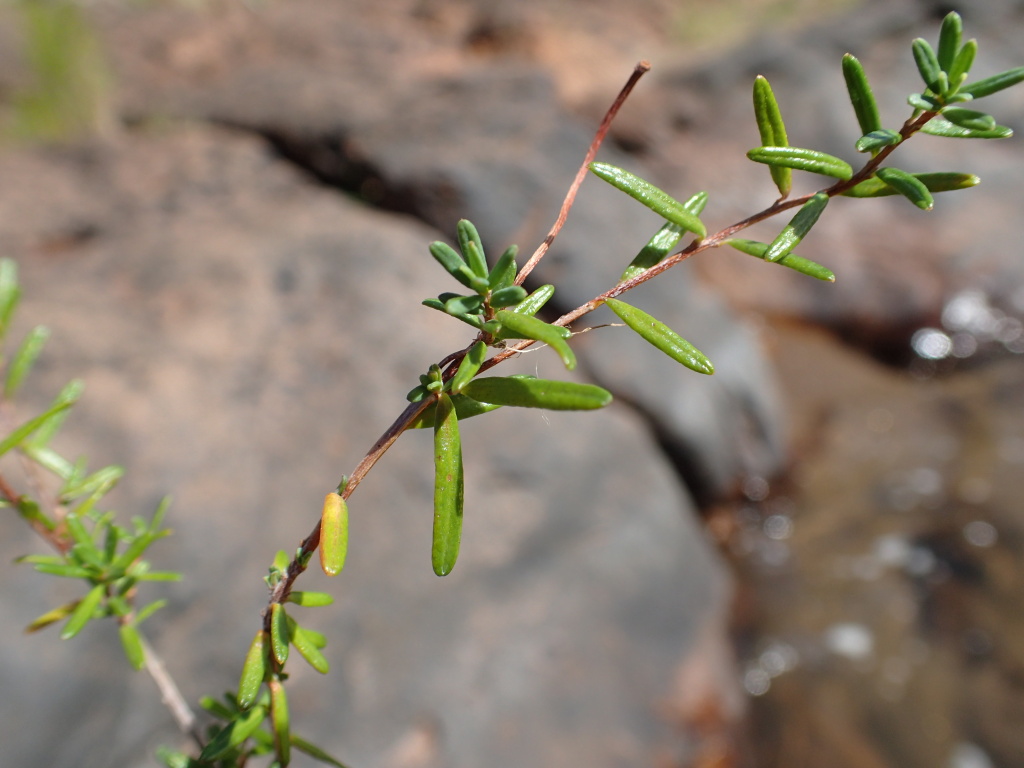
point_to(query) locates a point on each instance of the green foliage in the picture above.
(68, 93)
(89, 544)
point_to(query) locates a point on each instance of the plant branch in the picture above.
(308, 545)
(170, 694)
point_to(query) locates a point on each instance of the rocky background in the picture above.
(233, 263)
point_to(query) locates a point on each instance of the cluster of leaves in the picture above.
(89, 544)
(254, 721)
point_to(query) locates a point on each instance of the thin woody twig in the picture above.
(639, 71)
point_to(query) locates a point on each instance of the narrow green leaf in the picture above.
(772, 130)
(254, 670)
(83, 612)
(74, 526)
(934, 182)
(48, 459)
(876, 140)
(533, 303)
(25, 358)
(644, 192)
(802, 160)
(100, 481)
(131, 641)
(446, 256)
(308, 649)
(661, 336)
(924, 102)
(10, 293)
(655, 251)
(433, 304)
(333, 534)
(310, 599)
(524, 326)
(927, 64)
(219, 710)
(861, 96)
(159, 576)
(994, 84)
(507, 297)
(465, 408)
(962, 64)
(52, 617)
(911, 188)
(538, 393)
(279, 637)
(448, 487)
(469, 366)
(233, 734)
(149, 610)
(949, 40)
(504, 273)
(315, 752)
(85, 553)
(940, 126)
(464, 305)
(798, 227)
(969, 118)
(64, 401)
(472, 248)
(67, 571)
(133, 551)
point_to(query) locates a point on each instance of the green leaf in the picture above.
(934, 182)
(507, 297)
(64, 401)
(969, 118)
(940, 126)
(876, 140)
(100, 482)
(315, 752)
(24, 359)
(254, 670)
(279, 637)
(464, 305)
(67, 571)
(131, 641)
(790, 260)
(148, 611)
(962, 64)
(989, 85)
(48, 459)
(949, 40)
(911, 188)
(52, 617)
(333, 534)
(469, 366)
(456, 267)
(661, 336)
(10, 293)
(644, 192)
(472, 248)
(533, 303)
(772, 130)
(924, 102)
(310, 599)
(538, 393)
(308, 648)
(83, 612)
(655, 251)
(798, 227)
(465, 408)
(927, 64)
(515, 325)
(448, 487)
(802, 160)
(861, 96)
(233, 734)
(504, 273)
